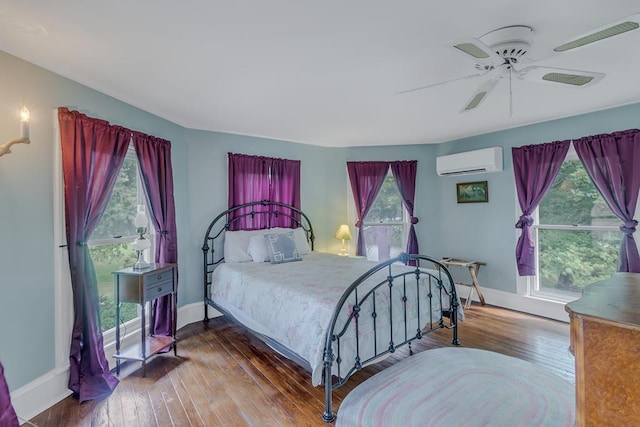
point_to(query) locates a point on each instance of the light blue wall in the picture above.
(486, 231)
(478, 231)
(26, 206)
(323, 178)
(27, 245)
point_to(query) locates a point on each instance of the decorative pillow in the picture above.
(299, 235)
(282, 247)
(236, 244)
(258, 249)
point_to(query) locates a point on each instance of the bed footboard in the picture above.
(387, 307)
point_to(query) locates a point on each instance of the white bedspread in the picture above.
(293, 302)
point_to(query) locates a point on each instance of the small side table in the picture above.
(141, 287)
(473, 267)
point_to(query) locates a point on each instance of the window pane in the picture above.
(388, 205)
(574, 200)
(570, 260)
(110, 243)
(107, 259)
(117, 219)
(383, 241)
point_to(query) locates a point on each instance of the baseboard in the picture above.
(531, 305)
(50, 388)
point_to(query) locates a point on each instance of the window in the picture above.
(257, 178)
(386, 226)
(577, 235)
(110, 243)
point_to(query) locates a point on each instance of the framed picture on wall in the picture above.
(472, 192)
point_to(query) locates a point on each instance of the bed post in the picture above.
(453, 316)
(205, 249)
(328, 416)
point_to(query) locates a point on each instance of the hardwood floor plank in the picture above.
(224, 376)
(257, 406)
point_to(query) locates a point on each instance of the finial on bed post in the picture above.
(404, 257)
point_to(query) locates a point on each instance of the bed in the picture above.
(331, 314)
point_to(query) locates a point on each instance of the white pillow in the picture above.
(236, 244)
(258, 249)
(302, 244)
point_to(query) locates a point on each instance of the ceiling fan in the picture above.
(500, 54)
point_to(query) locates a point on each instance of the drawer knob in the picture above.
(159, 276)
(159, 289)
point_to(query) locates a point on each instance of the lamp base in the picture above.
(343, 250)
(141, 264)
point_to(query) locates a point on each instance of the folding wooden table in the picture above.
(473, 267)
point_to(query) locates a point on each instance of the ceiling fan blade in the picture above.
(622, 26)
(478, 51)
(470, 76)
(575, 78)
(481, 93)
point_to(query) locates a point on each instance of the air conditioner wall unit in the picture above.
(470, 162)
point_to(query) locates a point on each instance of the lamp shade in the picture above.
(141, 219)
(343, 232)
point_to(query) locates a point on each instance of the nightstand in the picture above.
(141, 287)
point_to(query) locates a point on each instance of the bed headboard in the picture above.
(212, 247)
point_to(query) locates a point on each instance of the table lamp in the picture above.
(344, 234)
(141, 243)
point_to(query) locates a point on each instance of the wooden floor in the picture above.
(223, 376)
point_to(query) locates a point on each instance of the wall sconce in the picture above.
(344, 234)
(24, 133)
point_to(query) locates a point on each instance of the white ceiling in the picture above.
(322, 72)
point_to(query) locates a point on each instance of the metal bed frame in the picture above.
(368, 304)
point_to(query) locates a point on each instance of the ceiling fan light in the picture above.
(571, 79)
(475, 101)
(614, 30)
(472, 49)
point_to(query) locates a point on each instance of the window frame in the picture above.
(128, 239)
(405, 223)
(530, 285)
(63, 293)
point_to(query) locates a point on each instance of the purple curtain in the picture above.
(535, 167)
(248, 182)
(256, 178)
(612, 163)
(8, 417)
(405, 174)
(154, 158)
(92, 154)
(366, 180)
(285, 188)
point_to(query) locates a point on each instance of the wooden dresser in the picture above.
(605, 340)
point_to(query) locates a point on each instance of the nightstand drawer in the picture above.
(155, 278)
(158, 290)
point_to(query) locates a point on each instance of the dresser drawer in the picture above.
(153, 279)
(158, 290)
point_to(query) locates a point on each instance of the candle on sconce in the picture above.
(24, 122)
